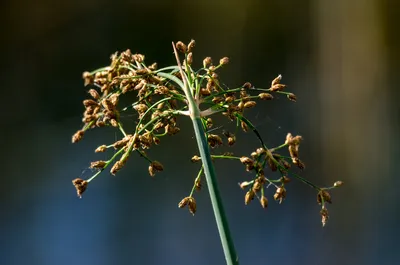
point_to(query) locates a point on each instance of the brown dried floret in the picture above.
(292, 97)
(101, 148)
(323, 195)
(94, 93)
(98, 164)
(114, 122)
(265, 96)
(285, 179)
(207, 61)
(192, 205)
(246, 160)
(116, 167)
(80, 186)
(88, 78)
(191, 45)
(121, 143)
(214, 140)
(196, 158)
(277, 87)
(107, 104)
(197, 184)
(280, 194)
(264, 202)
(90, 102)
(257, 185)
(183, 202)
(324, 215)
(191, 202)
(154, 167)
(250, 104)
(244, 184)
(271, 164)
(247, 85)
(338, 183)
(180, 46)
(189, 58)
(244, 126)
(249, 197)
(78, 136)
(224, 61)
(277, 80)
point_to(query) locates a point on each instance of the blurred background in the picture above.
(341, 58)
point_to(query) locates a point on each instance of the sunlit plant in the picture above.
(160, 97)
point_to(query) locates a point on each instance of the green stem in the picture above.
(211, 178)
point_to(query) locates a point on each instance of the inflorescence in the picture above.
(159, 101)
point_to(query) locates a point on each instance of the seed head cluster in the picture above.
(157, 98)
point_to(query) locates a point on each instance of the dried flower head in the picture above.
(249, 197)
(338, 183)
(207, 61)
(180, 46)
(80, 186)
(277, 80)
(244, 184)
(224, 61)
(191, 45)
(183, 202)
(292, 97)
(191, 202)
(196, 158)
(280, 194)
(101, 149)
(154, 167)
(214, 140)
(265, 96)
(116, 167)
(98, 164)
(78, 136)
(324, 215)
(264, 202)
(324, 195)
(94, 94)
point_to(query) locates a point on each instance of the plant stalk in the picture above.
(211, 178)
(216, 201)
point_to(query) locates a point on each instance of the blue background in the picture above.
(341, 58)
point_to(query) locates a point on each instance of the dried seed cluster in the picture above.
(161, 96)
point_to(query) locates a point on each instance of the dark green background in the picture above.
(341, 58)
